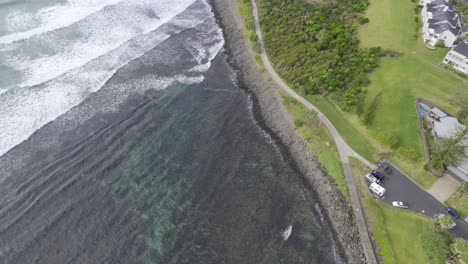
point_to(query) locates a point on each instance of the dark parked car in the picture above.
(379, 175)
(384, 166)
(453, 213)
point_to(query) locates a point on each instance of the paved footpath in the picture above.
(344, 150)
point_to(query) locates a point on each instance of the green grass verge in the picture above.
(459, 201)
(396, 231)
(246, 10)
(319, 139)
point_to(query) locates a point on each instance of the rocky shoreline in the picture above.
(273, 117)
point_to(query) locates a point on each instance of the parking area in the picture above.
(401, 188)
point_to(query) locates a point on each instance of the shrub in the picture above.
(445, 222)
(440, 44)
(298, 122)
(436, 245)
(388, 139)
(416, 19)
(363, 20)
(407, 153)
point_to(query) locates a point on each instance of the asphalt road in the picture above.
(400, 188)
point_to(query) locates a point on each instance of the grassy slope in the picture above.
(396, 231)
(412, 75)
(401, 80)
(320, 140)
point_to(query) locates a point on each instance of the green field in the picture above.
(396, 231)
(414, 74)
(319, 139)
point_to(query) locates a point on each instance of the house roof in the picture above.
(464, 28)
(442, 27)
(438, 112)
(447, 127)
(438, 2)
(462, 48)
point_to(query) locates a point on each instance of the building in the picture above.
(458, 57)
(445, 126)
(440, 22)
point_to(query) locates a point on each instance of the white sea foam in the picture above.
(50, 18)
(26, 109)
(99, 34)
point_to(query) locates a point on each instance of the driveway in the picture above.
(400, 188)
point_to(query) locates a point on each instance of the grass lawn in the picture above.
(401, 80)
(459, 201)
(396, 231)
(319, 139)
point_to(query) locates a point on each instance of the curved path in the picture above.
(344, 150)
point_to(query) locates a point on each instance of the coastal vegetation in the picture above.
(246, 11)
(305, 42)
(402, 236)
(314, 47)
(319, 139)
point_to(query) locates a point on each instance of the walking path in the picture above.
(344, 150)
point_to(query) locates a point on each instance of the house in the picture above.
(440, 23)
(445, 126)
(458, 57)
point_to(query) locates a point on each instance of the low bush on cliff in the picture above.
(315, 48)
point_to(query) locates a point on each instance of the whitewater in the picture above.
(65, 59)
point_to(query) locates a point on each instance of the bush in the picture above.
(416, 19)
(388, 139)
(407, 153)
(315, 47)
(363, 20)
(298, 122)
(440, 44)
(446, 222)
(436, 245)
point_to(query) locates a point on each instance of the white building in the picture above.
(440, 22)
(458, 57)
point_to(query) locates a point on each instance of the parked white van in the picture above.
(372, 178)
(377, 189)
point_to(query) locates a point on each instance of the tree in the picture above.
(448, 151)
(460, 250)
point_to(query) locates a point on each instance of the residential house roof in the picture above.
(438, 2)
(442, 27)
(447, 127)
(464, 28)
(461, 48)
(438, 112)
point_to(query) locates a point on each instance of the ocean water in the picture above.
(125, 138)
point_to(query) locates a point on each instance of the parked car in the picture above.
(377, 189)
(453, 213)
(399, 204)
(385, 167)
(372, 178)
(379, 175)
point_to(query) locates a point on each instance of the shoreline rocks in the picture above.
(273, 118)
